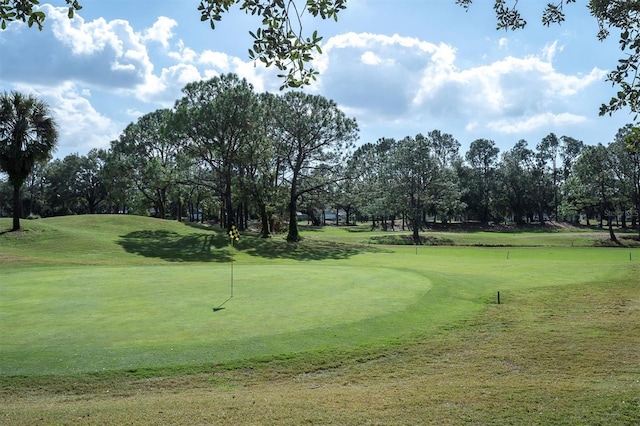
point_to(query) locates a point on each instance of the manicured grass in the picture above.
(73, 320)
(110, 320)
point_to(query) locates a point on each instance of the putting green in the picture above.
(104, 318)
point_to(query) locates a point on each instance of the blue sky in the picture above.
(398, 67)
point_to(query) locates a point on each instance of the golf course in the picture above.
(116, 319)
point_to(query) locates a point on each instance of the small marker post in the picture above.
(498, 298)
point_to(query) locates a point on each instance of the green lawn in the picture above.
(97, 302)
(129, 292)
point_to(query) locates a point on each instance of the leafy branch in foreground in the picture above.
(23, 10)
(280, 40)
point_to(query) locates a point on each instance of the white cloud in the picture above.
(395, 78)
(134, 113)
(549, 51)
(161, 31)
(80, 126)
(535, 122)
(370, 58)
(183, 54)
(218, 60)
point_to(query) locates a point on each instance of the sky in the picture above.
(398, 67)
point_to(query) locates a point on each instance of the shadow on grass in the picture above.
(304, 250)
(174, 247)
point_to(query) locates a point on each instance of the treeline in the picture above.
(228, 154)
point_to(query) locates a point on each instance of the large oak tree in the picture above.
(313, 136)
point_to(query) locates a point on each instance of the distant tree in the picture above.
(366, 170)
(549, 179)
(482, 158)
(62, 187)
(119, 186)
(570, 150)
(626, 166)
(34, 188)
(596, 176)
(28, 135)
(5, 196)
(91, 185)
(412, 168)
(149, 148)
(515, 181)
(445, 192)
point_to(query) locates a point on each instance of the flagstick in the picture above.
(235, 236)
(232, 268)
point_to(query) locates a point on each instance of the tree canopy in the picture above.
(227, 155)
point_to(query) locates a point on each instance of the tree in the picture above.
(260, 170)
(91, 186)
(366, 170)
(412, 169)
(5, 196)
(149, 147)
(626, 165)
(28, 135)
(61, 186)
(314, 137)
(119, 186)
(445, 191)
(548, 166)
(515, 181)
(34, 188)
(215, 119)
(482, 156)
(570, 150)
(594, 172)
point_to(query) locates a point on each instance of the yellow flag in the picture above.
(234, 234)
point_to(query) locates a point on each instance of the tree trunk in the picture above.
(416, 225)
(264, 219)
(634, 218)
(17, 207)
(293, 236)
(612, 236)
(228, 205)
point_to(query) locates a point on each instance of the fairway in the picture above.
(91, 319)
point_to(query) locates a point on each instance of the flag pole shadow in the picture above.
(219, 308)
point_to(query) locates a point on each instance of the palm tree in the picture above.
(28, 135)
